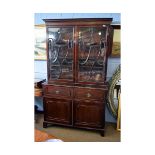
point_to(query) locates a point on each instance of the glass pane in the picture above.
(60, 48)
(92, 51)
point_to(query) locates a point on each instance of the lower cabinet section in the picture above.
(81, 110)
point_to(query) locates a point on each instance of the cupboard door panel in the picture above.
(88, 113)
(92, 48)
(58, 111)
(60, 53)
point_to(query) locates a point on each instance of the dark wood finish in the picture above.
(58, 91)
(75, 102)
(77, 22)
(88, 113)
(58, 110)
(116, 26)
(89, 93)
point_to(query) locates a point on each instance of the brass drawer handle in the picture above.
(57, 91)
(88, 95)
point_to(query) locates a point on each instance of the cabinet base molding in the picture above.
(49, 124)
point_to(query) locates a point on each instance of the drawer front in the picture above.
(58, 91)
(89, 93)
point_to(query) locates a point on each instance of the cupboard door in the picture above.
(57, 110)
(88, 114)
(92, 48)
(60, 53)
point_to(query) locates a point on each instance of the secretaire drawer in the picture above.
(89, 93)
(57, 91)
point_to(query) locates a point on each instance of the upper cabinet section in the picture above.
(77, 49)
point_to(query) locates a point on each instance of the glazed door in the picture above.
(92, 48)
(58, 110)
(60, 53)
(88, 113)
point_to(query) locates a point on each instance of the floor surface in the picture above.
(79, 135)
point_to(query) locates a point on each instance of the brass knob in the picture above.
(88, 95)
(57, 91)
